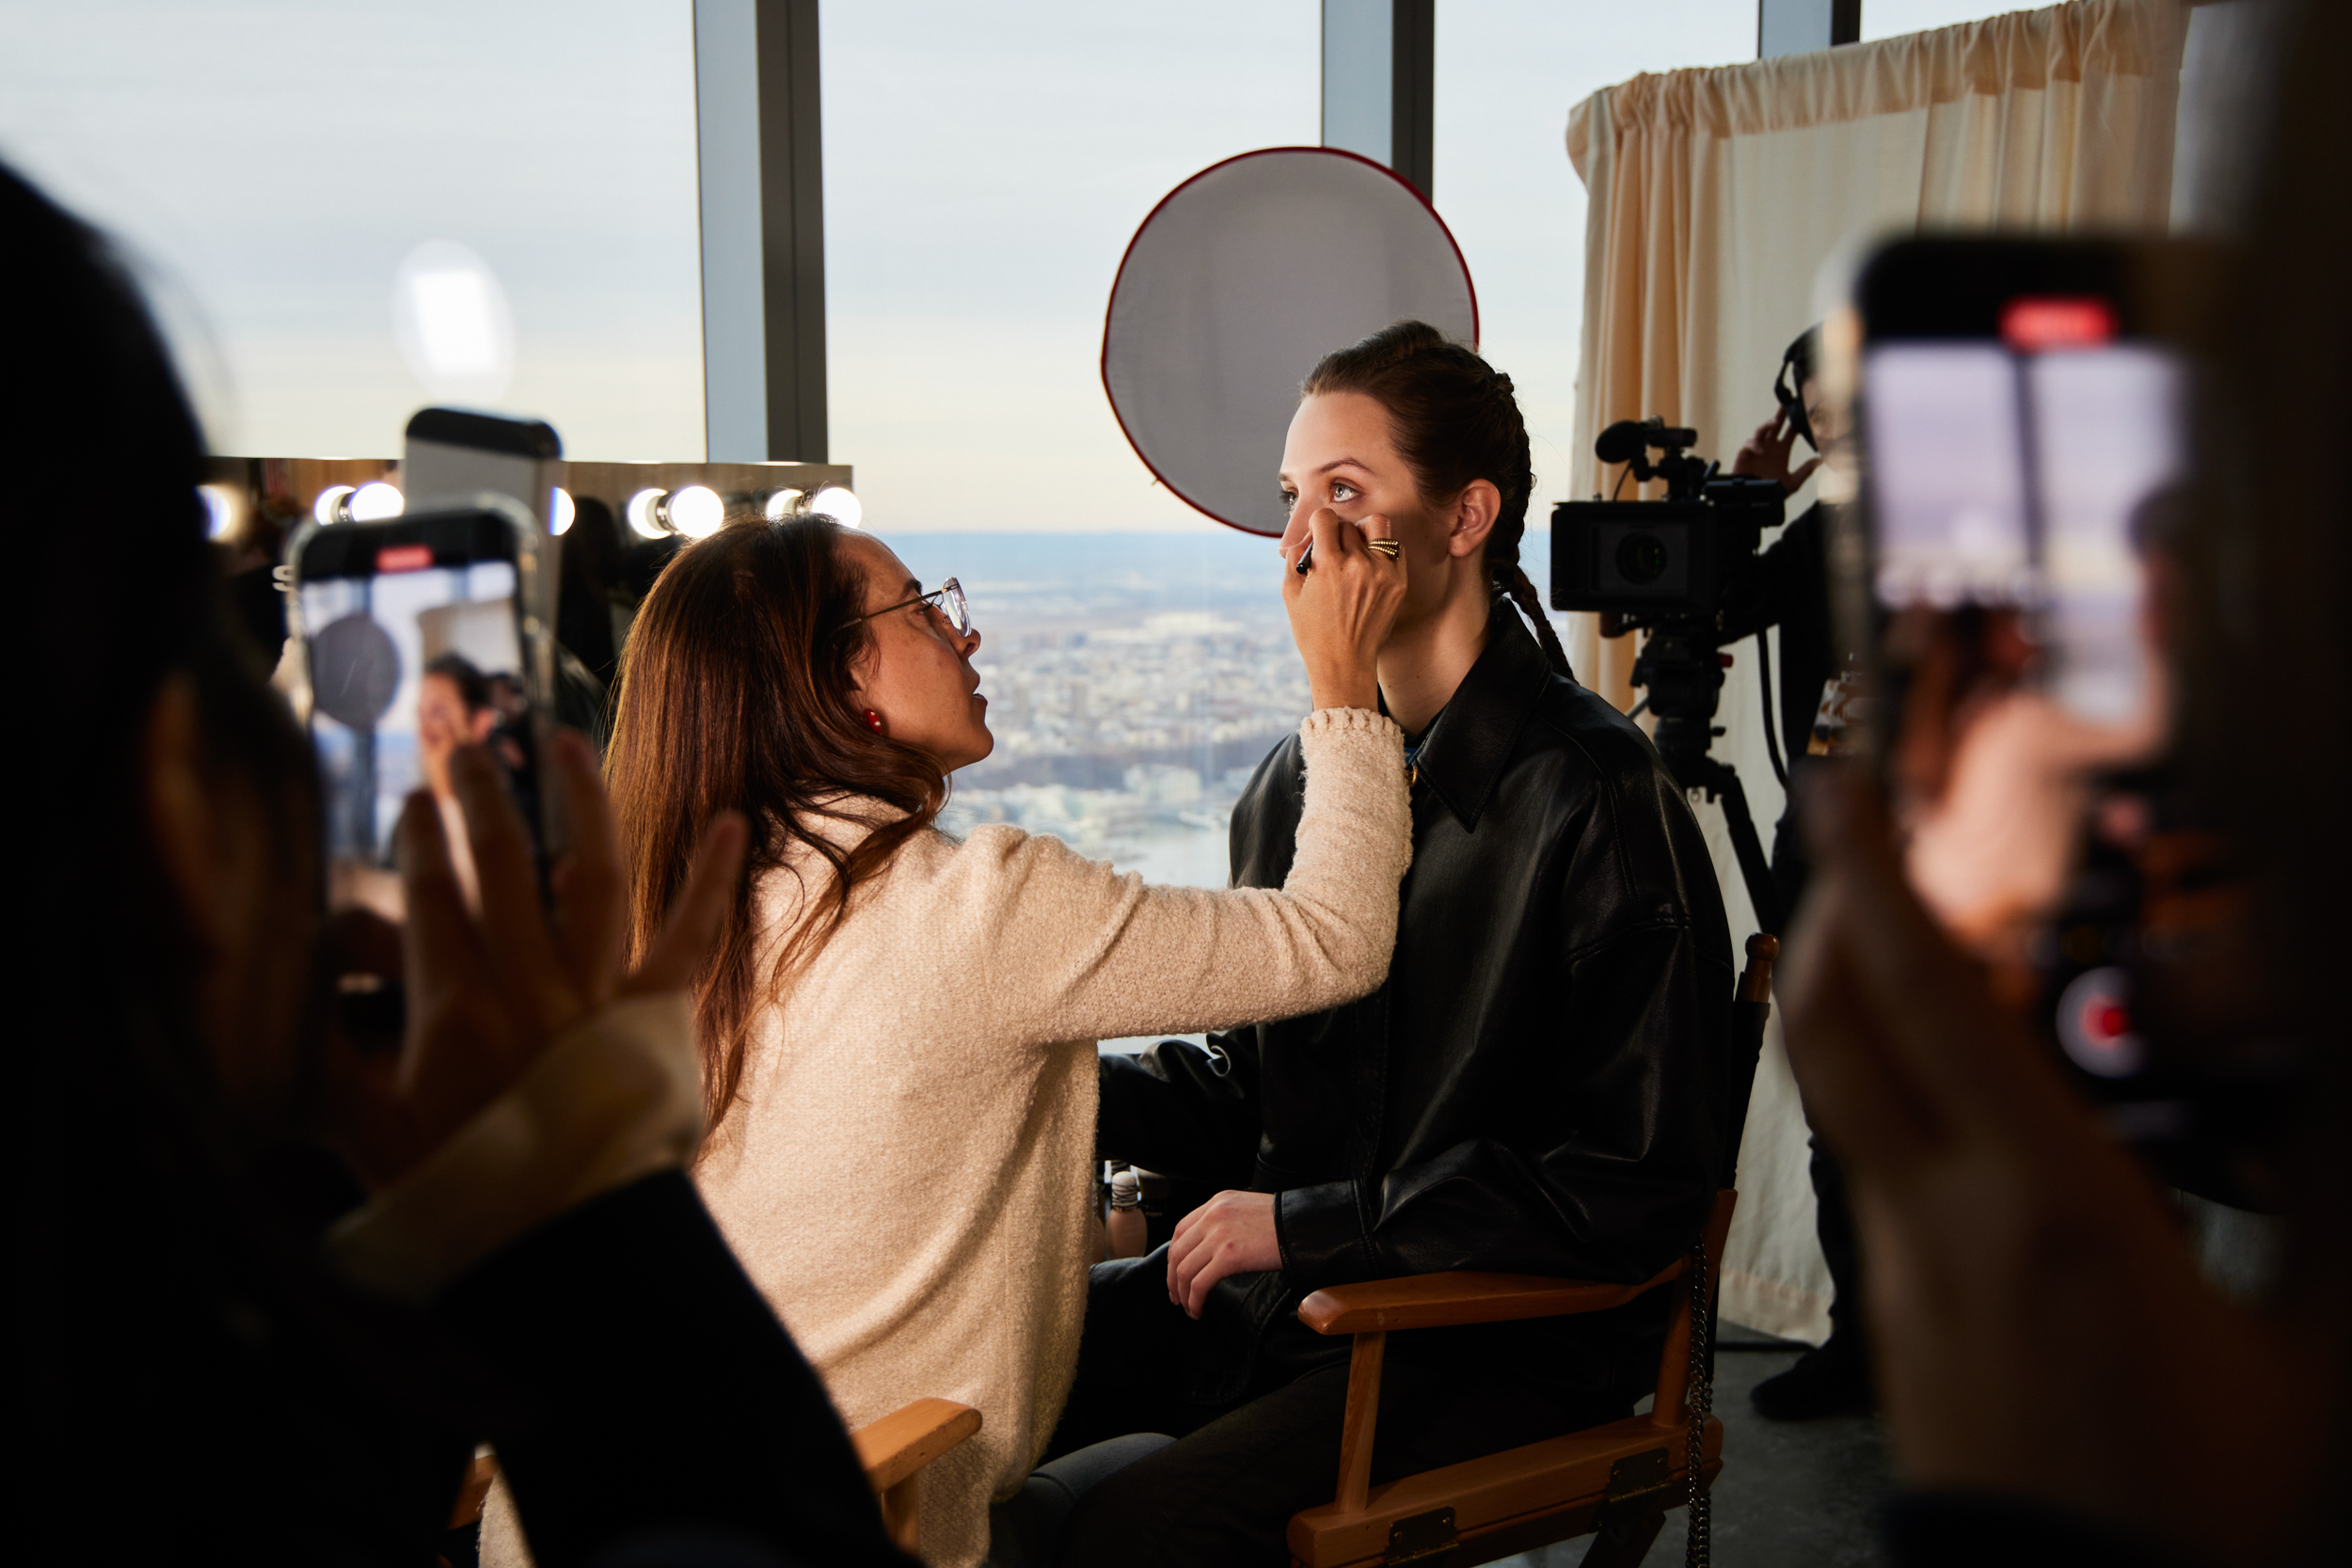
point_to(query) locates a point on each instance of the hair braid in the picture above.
(1457, 420)
(1514, 582)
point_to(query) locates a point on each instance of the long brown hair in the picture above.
(737, 692)
(1456, 419)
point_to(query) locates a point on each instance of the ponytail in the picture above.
(1457, 420)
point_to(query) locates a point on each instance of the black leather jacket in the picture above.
(1542, 1085)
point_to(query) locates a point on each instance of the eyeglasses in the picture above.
(946, 599)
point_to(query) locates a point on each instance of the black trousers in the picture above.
(1832, 1214)
(1224, 1491)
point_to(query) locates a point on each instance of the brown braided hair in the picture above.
(1455, 419)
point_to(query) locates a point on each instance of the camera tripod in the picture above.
(1683, 674)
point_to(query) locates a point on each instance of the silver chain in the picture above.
(1702, 1399)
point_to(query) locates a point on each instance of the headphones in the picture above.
(1796, 369)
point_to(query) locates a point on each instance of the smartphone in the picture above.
(454, 453)
(2022, 414)
(414, 635)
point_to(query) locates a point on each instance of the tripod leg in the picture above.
(1753, 870)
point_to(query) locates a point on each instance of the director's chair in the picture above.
(1616, 1479)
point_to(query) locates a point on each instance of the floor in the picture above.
(1793, 1495)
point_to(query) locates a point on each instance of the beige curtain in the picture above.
(1716, 199)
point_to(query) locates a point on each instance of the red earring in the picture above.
(873, 721)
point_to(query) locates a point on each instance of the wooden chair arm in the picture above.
(474, 1490)
(902, 1442)
(1444, 1299)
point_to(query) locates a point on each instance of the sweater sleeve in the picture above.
(1061, 947)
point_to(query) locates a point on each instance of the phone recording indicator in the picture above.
(2034, 325)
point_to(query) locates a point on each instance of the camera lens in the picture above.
(1641, 558)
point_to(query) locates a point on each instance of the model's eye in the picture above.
(1290, 498)
(1343, 491)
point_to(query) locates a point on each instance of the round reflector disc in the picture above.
(1241, 279)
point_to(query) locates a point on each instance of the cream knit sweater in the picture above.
(907, 1174)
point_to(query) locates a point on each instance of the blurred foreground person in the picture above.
(225, 1346)
(2060, 1382)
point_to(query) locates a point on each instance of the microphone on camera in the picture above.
(1626, 440)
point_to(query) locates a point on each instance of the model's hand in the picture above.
(486, 996)
(1341, 608)
(1232, 1233)
(1765, 455)
(2039, 1325)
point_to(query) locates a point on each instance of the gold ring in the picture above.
(1388, 547)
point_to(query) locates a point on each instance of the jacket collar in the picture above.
(1467, 745)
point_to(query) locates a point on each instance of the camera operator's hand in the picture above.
(1341, 608)
(485, 997)
(2040, 1329)
(1767, 455)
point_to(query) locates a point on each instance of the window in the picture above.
(271, 164)
(1886, 19)
(1508, 76)
(984, 169)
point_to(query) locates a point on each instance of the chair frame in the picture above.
(895, 1450)
(1619, 1479)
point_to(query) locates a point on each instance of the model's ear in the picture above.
(180, 817)
(1475, 514)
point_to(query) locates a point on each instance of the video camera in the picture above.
(1643, 563)
(1683, 568)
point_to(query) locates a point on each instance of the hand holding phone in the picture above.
(491, 981)
(2023, 416)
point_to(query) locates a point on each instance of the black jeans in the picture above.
(1841, 1245)
(1224, 1491)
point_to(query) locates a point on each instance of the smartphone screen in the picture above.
(2010, 473)
(1947, 446)
(2109, 437)
(416, 640)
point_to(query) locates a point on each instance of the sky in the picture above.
(269, 162)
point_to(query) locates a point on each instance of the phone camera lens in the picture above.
(1641, 558)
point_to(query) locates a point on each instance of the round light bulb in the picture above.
(641, 515)
(220, 510)
(561, 511)
(328, 508)
(834, 502)
(374, 501)
(696, 510)
(779, 504)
